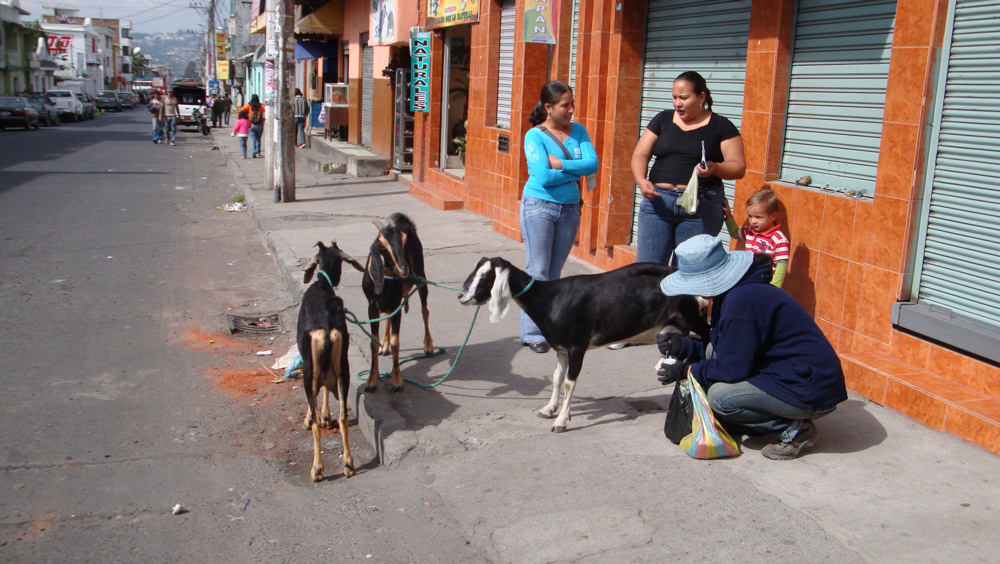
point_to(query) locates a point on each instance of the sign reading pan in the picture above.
(420, 71)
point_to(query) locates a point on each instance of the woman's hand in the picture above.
(554, 163)
(647, 188)
(706, 172)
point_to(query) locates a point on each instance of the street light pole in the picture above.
(279, 128)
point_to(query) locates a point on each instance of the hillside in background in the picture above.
(173, 49)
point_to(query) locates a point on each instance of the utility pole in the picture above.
(210, 57)
(279, 128)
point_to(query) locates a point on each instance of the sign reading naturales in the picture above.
(420, 71)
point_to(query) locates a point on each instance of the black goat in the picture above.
(322, 338)
(396, 257)
(577, 313)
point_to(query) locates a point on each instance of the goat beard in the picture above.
(500, 295)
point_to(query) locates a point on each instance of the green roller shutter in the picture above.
(957, 288)
(573, 43)
(709, 37)
(367, 93)
(836, 95)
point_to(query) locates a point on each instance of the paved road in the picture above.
(122, 394)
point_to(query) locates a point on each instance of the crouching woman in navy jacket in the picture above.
(769, 369)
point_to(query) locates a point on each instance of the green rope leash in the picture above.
(421, 282)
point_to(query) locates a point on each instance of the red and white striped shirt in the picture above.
(771, 242)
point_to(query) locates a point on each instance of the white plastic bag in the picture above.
(689, 199)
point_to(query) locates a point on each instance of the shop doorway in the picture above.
(455, 98)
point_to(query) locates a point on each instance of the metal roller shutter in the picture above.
(505, 82)
(573, 43)
(367, 93)
(959, 257)
(677, 40)
(836, 96)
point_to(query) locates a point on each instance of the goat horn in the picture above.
(378, 223)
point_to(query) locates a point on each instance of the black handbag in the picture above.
(680, 412)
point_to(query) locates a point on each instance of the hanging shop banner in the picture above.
(420, 71)
(220, 46)
(540, 18)
(445, 13)
(222, 69)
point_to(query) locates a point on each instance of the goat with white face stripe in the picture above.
(577, 313)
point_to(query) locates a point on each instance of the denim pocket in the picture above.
(536, 206)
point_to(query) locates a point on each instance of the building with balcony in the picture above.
(20, 66)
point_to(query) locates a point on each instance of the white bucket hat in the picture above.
(705, 268)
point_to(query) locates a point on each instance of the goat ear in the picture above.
(351, 261)
(375, 270)
(499, 295)
(310, 269)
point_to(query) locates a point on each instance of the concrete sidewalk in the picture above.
(877, 487)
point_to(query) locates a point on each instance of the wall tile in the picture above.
(888, 236)
(759, 81)
(985, 378)
(909, 401)
(865, 381)
(838, 226)
(755, 130)
(808, 220)
(908, 82)
(831, 281)
(914, 23)
(909, 348)
(976, 429)
(897, 160)
(878, 291)
(950, 365)
(862, 228)
(852, 295)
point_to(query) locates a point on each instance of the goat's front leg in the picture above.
(396, 383)
(373, 374)
(562, 361)
(428, 341)
(385, 345)
(575, 364)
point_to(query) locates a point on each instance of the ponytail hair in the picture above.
(550, 94)
(698, 86)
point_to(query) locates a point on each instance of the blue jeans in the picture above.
(663, 225)
(157, 130)
(170, 128)
(255, 132)
(747, 406)
(300, 129)
(549, 230)
(243, 146)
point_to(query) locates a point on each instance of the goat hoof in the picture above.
(348, 471)
(396, 389)
(558, 428)
(317, 474)
(543, 415)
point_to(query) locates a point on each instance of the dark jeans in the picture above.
(747, 406)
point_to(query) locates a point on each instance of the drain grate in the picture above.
(254, 323)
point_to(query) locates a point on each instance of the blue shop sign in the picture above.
(420, 71)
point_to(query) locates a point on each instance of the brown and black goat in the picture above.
(395, 261)
(322, 339)
(577, 313)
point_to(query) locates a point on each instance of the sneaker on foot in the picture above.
(806, 437)
(172, 143)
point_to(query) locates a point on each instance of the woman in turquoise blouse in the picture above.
(558, 152)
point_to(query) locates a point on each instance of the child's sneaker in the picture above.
(806, 437)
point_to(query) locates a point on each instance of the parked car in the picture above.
(17, 111)
(89, 105)
(48, 113)
(108, 100)
(126, 100)
(69, 104)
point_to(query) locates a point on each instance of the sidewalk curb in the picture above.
(383, 428)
